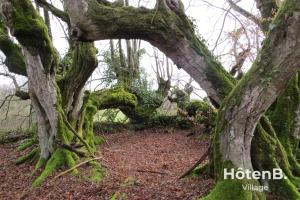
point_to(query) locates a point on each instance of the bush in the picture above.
(183, 122)
(203, 112)
(106, 127)
(162, 120)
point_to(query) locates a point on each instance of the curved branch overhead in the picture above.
(14, 58)
(172, 32)
(245, 13)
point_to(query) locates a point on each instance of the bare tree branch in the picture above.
(245, 13)
(55, 11)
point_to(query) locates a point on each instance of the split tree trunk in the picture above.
(43, 96)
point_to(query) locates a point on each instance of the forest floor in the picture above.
(140, 165)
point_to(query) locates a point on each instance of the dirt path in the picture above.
(141, 165)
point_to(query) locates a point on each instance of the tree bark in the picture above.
(43, 96)
(52, 102)
(260, 87)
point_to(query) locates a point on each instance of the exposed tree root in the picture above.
(153, 172)
(264, 143)
(30, 156)
(60, 158)
(27, 143)
(76, 166)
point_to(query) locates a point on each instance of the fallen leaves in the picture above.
(141, 165)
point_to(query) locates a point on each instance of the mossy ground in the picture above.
(233, 189)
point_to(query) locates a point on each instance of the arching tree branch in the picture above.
(245, 13)
(14, 57)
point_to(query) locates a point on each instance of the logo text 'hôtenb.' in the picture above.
(241, 173)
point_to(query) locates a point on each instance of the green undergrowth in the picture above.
(14, 136)
(97, 172)
(104, 127)
(202, 170)
(156, 121)
(119, 195)
(233, 189)
(170, 121)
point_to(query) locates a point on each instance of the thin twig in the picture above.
(149, 171)
(76, 166)
(196, 164)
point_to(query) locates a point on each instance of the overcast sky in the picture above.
(209, 18)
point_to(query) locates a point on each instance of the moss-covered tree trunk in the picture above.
(57, 98)
(259, 88)
(41, 60)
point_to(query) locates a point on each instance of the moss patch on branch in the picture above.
(30, 30)
(14, 57)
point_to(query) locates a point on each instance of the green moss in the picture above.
(76, 68)
(30, 30)
(265, 143)
(14, 57)
(59, 159)
(27, 143)
(64, 133)
(233, 189)
(285, 121)
(97, 172)
(32, 154)
(203, 170)
(217, 157)
(88, 123)
(41, 162)
(112, 98)
(99, 140)
(123, 99)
